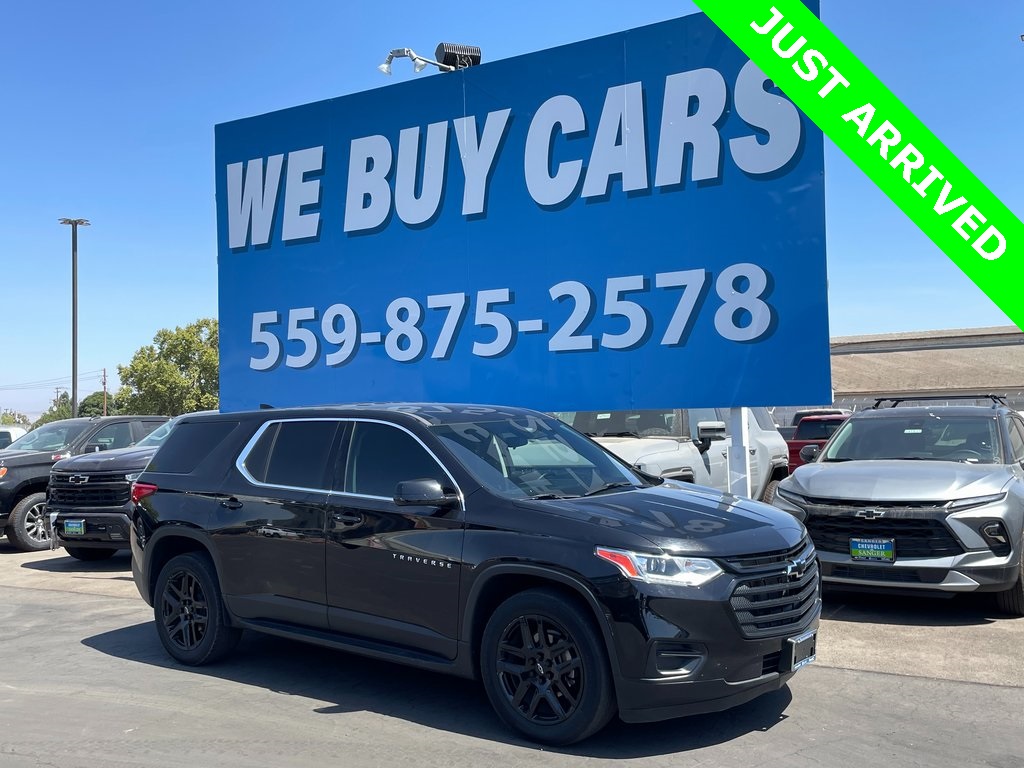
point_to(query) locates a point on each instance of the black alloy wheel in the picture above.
(189, 611)
(545, 668)
(540, 669)
(184, 610)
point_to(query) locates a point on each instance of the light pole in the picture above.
(75, 223)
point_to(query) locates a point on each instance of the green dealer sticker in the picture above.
(895, 149)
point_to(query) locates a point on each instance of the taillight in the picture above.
(141, 491)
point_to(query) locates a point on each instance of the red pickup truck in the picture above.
(812, 430)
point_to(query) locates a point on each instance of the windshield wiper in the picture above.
(546, 496)
(610, 487)
(611, 434)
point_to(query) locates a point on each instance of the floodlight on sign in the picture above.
(458, 56)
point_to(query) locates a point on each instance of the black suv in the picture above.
(485, 542)
(88, 500)
(25, 467)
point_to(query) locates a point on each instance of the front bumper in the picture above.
(104, 528)
(970, 572)
(683, 655)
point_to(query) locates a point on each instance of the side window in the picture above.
(763, 418)
(294, 454)
(113, 436)
(1016, 441)
(380, 456)
(143, 428)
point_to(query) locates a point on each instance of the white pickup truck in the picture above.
(690, 444)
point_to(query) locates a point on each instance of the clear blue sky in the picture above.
(109, 111)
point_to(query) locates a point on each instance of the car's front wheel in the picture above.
(1011, 601)
(544, 668)
(27, 528)
(189, 610)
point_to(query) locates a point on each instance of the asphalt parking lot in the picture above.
(85, 682)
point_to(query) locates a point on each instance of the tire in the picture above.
(769, 491)
(525, 643)
(87, 554)
(189, 611)
(1011, 601)
(27, 528)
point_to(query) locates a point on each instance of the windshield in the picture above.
(534, 458)
(931, 437)
(49, 437)
(625, 423)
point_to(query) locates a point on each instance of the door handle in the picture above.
(347, 518)
(231, 503)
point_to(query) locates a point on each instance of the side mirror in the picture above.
(707, 431)
(423, 493)
(95, 447)
(809, 453)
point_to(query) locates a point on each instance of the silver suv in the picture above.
(918, 498)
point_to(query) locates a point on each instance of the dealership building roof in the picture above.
(946, 362)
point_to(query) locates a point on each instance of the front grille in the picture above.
(99, 489)
(776, 592)
(914, 536)
(876, 574)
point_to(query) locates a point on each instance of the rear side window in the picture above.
(293, 454)
(1016, 441)
(381, 456)
(188, 445)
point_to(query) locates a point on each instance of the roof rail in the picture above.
(997, 400)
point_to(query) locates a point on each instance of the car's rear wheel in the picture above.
(545, 669)
(191, 619)
(1011, 601)
(89, 554)
(27, 528)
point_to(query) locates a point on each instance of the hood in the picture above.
(898, 480)
(685, 519)
(633, 449)
(25, 458)
(126, 459)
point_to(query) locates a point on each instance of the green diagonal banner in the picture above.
(895, 149)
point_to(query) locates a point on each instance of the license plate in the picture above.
(74, 527)
(802, 650)
(877, 550)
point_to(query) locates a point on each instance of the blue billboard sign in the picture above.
(634, 221)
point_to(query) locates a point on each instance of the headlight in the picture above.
(977, 501)
(133, 476)
(661, 569)
(789, 496)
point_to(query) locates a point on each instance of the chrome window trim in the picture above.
(340, 420)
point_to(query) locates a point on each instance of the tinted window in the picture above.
(809, 429)
(113, 436)
(298, 453)
(146, 427)
(188, 444)
(381, 456)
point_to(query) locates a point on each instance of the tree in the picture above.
(177, 373)
(60, 408)
(92, 405)
(9, 417)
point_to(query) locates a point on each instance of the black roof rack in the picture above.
(997, 400)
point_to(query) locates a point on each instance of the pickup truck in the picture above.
(812, 430)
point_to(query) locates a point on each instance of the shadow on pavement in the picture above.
(351, 683)
(911, 610)
(119, 562)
